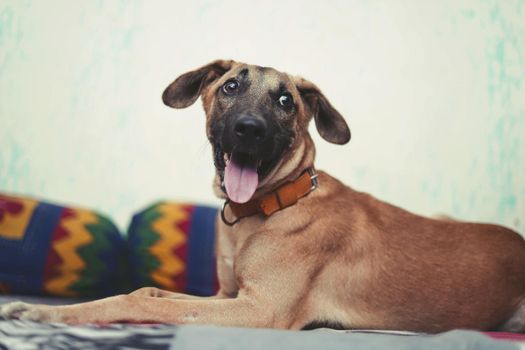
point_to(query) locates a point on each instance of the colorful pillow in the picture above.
(56, 250)
(172, 247)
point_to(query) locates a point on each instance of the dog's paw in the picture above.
(13, 310)
(27, 312)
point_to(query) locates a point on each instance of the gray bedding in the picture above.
(22, 335)
(216, 338)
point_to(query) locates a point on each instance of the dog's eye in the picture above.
(286, 100)
(230, 86)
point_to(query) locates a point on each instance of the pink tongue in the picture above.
(240, 180)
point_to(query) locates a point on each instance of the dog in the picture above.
(297, 249)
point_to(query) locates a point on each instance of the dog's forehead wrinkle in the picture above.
(237, 71)
(275, 87)
(243, 76)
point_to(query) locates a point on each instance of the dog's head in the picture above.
(257, 123)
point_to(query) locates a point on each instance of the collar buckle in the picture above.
(313, 178)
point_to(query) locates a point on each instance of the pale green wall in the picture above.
(434, 92)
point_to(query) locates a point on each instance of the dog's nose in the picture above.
(250, 129)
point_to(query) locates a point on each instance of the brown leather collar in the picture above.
(284, 196)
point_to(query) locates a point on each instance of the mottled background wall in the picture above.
(434, 92)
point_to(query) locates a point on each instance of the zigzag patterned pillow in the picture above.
(56, 250)
(172, 247)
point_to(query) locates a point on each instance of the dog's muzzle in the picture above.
(247, 146)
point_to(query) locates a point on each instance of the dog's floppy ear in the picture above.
(330, 124)
(185, 90)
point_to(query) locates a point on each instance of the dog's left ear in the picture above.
(329, 122)
(186, 89)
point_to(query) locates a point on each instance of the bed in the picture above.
(26, 335)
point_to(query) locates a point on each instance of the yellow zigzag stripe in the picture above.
(170, 237)
(66, 248)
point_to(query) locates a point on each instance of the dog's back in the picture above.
(411, 272)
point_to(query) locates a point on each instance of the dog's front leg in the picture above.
(161, 293)
(240, 311)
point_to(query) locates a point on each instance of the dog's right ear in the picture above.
(185, 90)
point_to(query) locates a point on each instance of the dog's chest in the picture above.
(258, 241)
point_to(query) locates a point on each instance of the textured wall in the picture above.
(434, 92)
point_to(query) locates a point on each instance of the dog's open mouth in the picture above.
(241, 176)
(242, 171)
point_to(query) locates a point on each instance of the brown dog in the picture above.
(298, 249)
